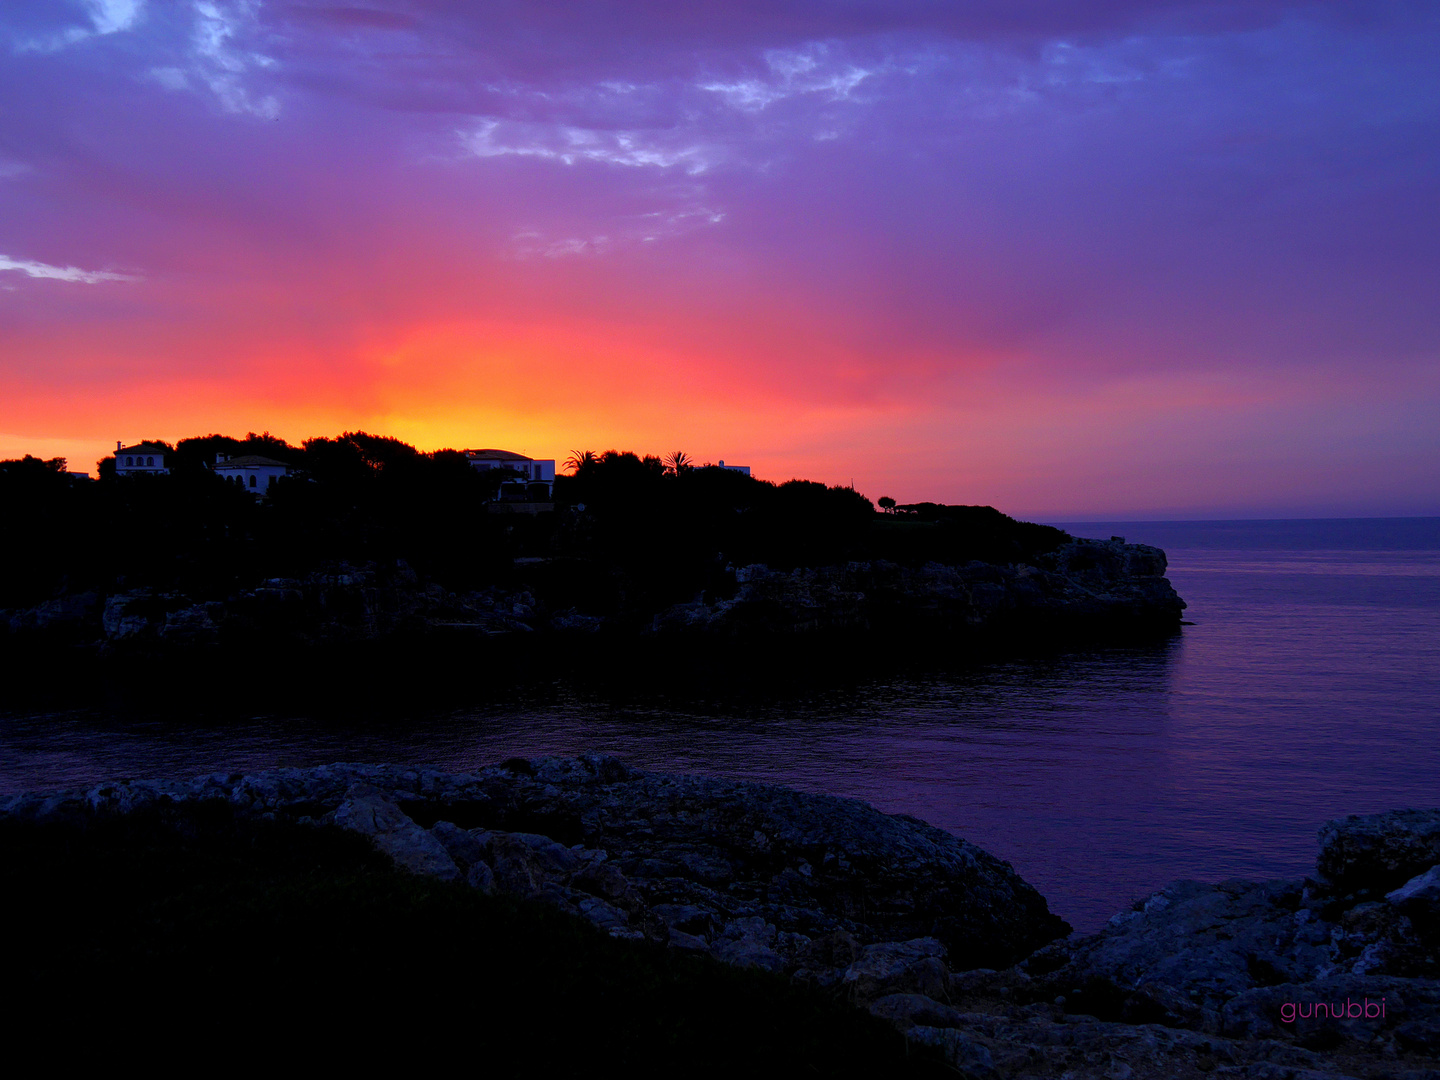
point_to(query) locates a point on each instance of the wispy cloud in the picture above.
(106, 17)
(567, 144)
(634, 229)
(792, 72)
(113, 16)
(216, 58)
(61, 273)
(221, 64)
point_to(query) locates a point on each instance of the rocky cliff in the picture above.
(1084, 586)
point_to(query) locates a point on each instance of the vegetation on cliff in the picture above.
(374, 564)
(659, 534)
(365, 498)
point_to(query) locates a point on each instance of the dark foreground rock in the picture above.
(1334, 976)
(753, 874)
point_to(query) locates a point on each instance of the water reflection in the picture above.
(1296, 696)
(1043, 762)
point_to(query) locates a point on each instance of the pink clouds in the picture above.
(1110, 257)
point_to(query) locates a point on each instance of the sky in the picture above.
(1070, 258)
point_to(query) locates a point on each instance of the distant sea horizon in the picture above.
(1052, 519)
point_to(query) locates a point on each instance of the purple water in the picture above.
(1307, 688)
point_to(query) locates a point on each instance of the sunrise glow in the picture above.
(1145, 259)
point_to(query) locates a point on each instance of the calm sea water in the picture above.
(1308, 687)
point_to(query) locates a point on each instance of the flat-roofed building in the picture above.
(531, 490)
(531, 470)
(251, 471)
(141, 458)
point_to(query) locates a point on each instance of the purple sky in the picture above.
(1071, 259)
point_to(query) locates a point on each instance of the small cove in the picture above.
(1307, 687)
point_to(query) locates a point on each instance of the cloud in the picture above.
(567, 144)
(642, 228)
(113, 16)
(106, 17)
(792, 72)
(61, 273)
(221, 64)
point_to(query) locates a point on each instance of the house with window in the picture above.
(250, 471)
(742, 469)
(531, 471)
(140, 458)
(532, 489)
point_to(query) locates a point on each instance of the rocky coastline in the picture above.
(919, 927)
(1085, 587)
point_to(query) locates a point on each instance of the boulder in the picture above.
(367, 811)
(126, 615)
(907, 1010)
(467, 847)
(1378, 852)
(1183, 952)
(1422, 888)
(749, 942)
(958, 1049)
(899, 967)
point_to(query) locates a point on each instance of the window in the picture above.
(252, 479)
(129, 461)
(150, 461)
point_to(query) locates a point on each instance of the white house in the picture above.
(735, 468)
(251, 471)
(141, 458)
(532, 471)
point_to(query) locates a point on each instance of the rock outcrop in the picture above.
(1333, 976)
(1085, 585)
(751, 873)
(1094, 583)
(1338, 974)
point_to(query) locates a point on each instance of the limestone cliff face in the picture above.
(1103, 584)
(1084, 585)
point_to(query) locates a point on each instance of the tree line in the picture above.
(627, 529)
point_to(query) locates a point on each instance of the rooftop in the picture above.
(496, 455)
(249, 461)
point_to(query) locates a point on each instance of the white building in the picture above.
(251, 471)
(141, 458)
(735, 468)
(532, 471)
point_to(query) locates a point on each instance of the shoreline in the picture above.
(836, 895)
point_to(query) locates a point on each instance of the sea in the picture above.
(1304, 686)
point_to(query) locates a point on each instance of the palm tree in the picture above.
(678, 461)
(581, 459)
